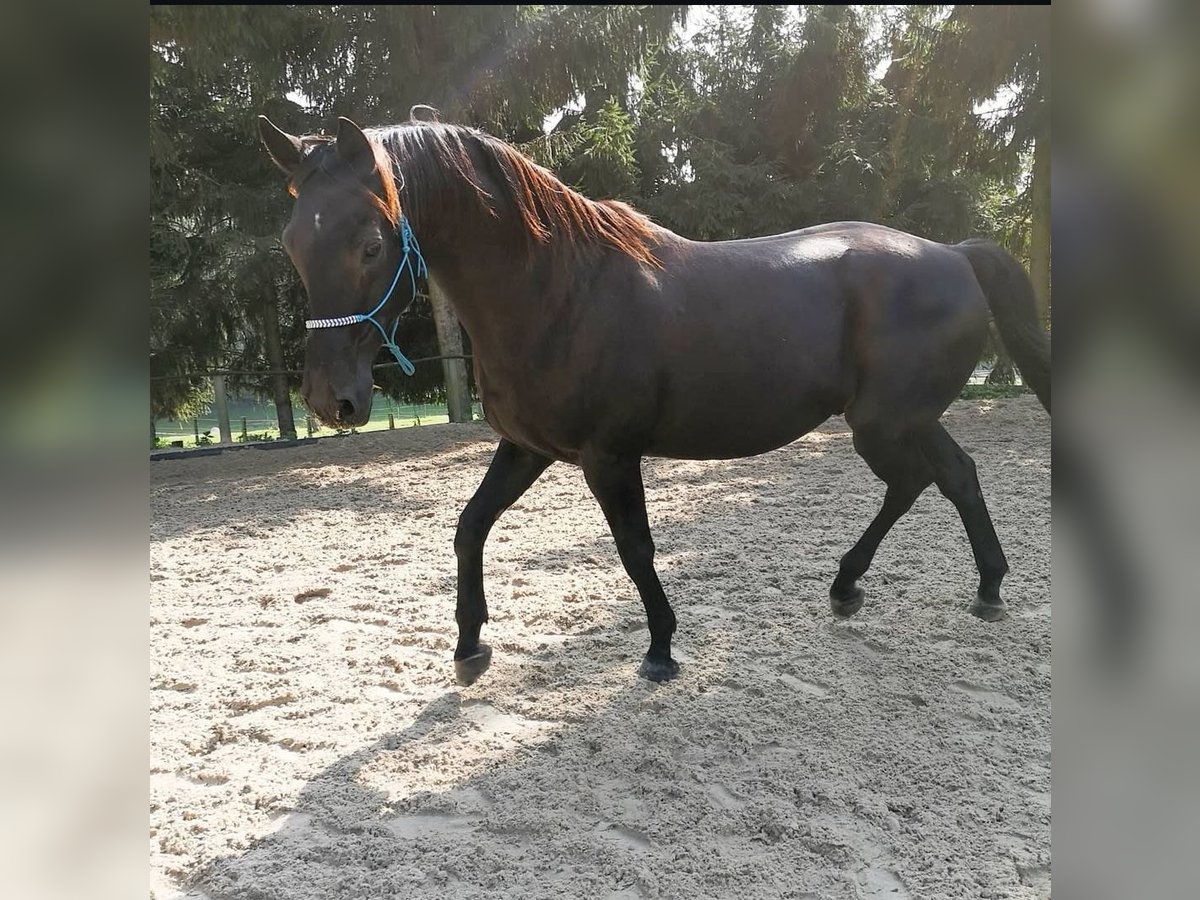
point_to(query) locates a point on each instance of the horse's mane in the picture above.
(548, 212)
(447, 165)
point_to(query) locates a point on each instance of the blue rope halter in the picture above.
(408, 249)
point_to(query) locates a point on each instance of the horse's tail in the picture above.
(1010, 295)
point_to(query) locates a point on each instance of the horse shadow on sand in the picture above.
(618, 793)
(764, 770)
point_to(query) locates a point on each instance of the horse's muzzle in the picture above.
(340, 403)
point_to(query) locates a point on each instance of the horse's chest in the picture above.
(528, 418)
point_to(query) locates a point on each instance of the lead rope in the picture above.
(408, 248)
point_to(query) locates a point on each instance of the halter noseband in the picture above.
(408, 249)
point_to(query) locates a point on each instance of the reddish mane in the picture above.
(450, 160)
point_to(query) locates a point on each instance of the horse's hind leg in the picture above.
(899, 463)
(510, 475)
(954, 473)
(616, 483)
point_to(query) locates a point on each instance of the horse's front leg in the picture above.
(616, 481)
(511, 473)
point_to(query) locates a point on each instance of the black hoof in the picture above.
(845, 607)
(989, 610)
(658, 669)
(468, 670)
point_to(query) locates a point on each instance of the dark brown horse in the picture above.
(600, 337)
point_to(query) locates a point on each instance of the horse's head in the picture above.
(344, 242)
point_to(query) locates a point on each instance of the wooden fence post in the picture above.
(449, 334)
(222, 409)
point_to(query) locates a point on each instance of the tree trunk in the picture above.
(279, 385)
(1039, 238)
(898, 132)
(449, 334)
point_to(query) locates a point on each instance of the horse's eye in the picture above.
(372, 249)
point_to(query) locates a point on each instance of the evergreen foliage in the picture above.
(766, 119)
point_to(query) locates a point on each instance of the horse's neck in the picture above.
(491, 291)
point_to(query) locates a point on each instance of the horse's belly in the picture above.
(720, 436)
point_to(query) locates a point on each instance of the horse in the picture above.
(600, 337)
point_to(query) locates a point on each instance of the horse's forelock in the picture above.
(317, 150)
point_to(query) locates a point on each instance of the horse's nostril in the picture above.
(345, 410)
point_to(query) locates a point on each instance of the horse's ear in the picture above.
(285, 149)
(354, 148)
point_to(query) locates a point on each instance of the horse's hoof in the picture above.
(658, 669)
(468, 670)
(845, 607)
(989, 610)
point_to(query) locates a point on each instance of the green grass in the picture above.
(993, 391)
(261, 422)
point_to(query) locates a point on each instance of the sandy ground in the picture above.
(308, 740)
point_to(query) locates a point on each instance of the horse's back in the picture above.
(861, 235)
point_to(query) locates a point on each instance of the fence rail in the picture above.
(199, 429)
(203, 431)
(253, 425)
(268, 372)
